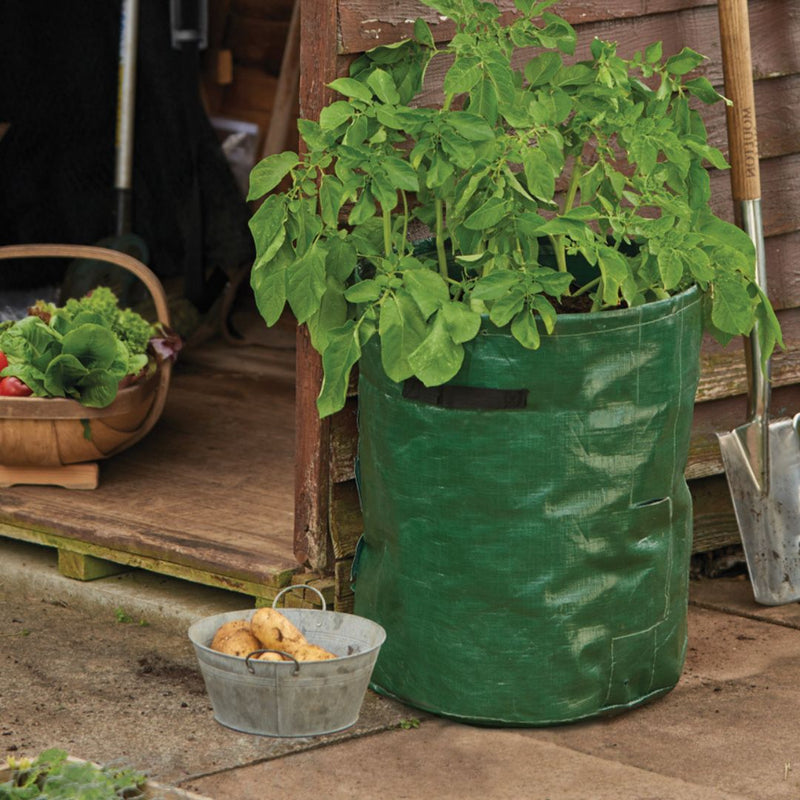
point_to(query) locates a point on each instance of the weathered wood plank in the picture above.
(344, 440)
(714, 518)
(319, 65)
(82, 567)
(346, 523)
(367, 23)
(343, 592)
(778, 124)
(266, 588)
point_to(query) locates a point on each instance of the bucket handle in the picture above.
(251, 669)
(300, 586)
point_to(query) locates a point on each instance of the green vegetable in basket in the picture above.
(82, 350)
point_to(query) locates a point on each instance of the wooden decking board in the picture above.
(207, 495)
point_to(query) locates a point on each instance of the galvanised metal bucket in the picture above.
(285, 698)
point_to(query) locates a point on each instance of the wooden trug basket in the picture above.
(42, 439)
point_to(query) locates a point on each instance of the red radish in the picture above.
(14, 387)
(3, 360)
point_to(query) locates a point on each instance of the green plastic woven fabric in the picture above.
(530, 565)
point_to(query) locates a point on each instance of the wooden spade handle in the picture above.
(145, 274)
(738, 68)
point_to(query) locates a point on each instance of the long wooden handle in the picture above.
(144, 273)
(738, 67)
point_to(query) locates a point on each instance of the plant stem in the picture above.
(574, 180)
(387, 231)
(558, 249)
(587, 287)
(405, 217)
(440, 251)
(558, 240)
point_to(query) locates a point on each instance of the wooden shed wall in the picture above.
(327, 518)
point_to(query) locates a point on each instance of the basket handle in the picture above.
(145, 275)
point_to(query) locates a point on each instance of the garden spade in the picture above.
(761, 458)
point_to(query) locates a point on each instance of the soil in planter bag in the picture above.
(529, 558)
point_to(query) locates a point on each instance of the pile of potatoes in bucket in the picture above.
(267, 630)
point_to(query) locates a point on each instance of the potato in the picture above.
(270, 657)
(274, 631)
(224, 631)
(238, 643)
(312, 652)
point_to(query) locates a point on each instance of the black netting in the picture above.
(58, 91)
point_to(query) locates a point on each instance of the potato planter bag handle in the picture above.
(530, 563)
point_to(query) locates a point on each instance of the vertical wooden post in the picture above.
(318, 67)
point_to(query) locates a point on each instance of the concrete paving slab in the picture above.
(449, 761)
(735, 596)
(732, 723)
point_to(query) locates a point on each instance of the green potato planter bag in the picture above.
(529, 557)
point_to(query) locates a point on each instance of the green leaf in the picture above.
(350, 87)
(525, 331)
(334, 115)
(437, 358)
(382, 83)
(509, 305)
(331, 198)
(402, 329)
(540, 71)
(338, 358)
(332, 315)
(461, 322)
(483, 100)
(366, 291)
(438, 173)
(462, 75)
(422, 33)
(428, 289)
(470, 126)
(267, 228)
(363, 209)
(268, 282)
(341, 260)
(306, 284)
(93, 345)
(494, 285)
(269, 172)
(98, 389)
(670, 267)
(702, 89)
(401, 173)
(684, 62)
(546, 312)
(62, 373)
(488, 215)
(539, 174)
(732, 307)
(614, 269)
(653, 53)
